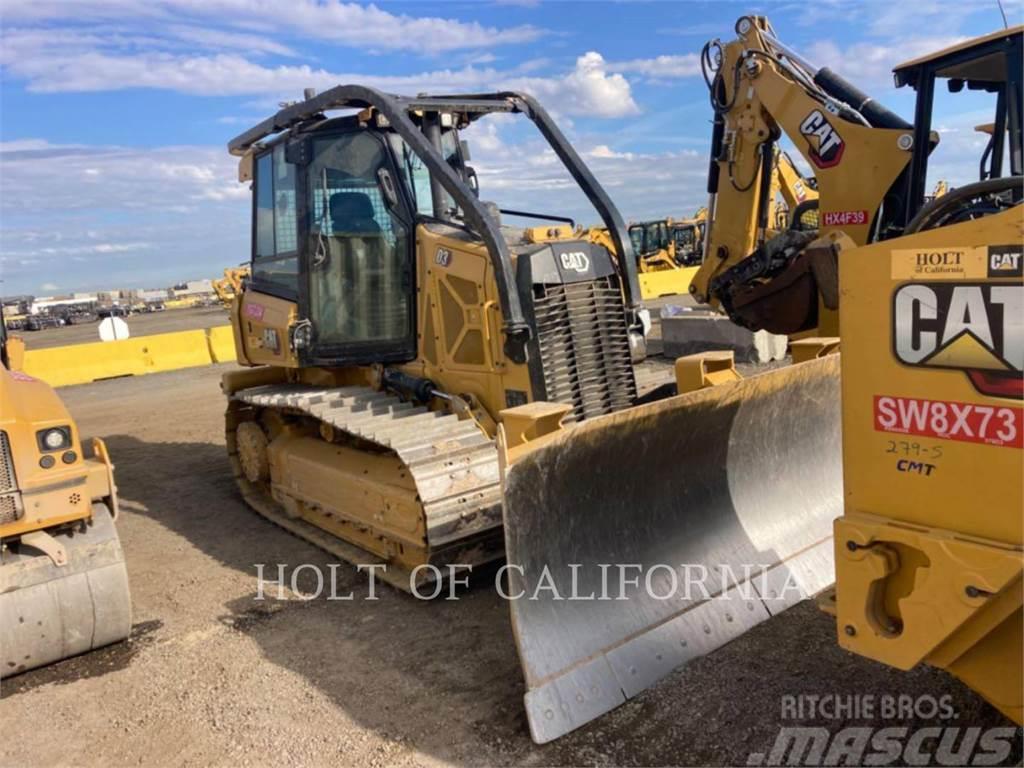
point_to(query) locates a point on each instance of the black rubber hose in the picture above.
(839, 88)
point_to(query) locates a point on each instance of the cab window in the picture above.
(416, 175)
(275, 247)
(359, 279)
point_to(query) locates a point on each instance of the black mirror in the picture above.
(472, 180)
(387, 185)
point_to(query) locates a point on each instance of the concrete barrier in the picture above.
(83, 363)
(692, 332)
(221, 341)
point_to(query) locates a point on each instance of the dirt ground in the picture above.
(213, 677)
(144, 324)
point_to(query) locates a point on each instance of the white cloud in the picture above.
(869, 65)
(158, 215)
(99, 248)
(219, 39)
(661, 67)
(590, 89)
(527, 175)
(71, 66)
(359, 26)
(49, 286)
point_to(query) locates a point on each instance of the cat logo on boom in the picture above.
(974, 327)
(825, 145)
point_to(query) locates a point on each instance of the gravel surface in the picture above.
(212, 676)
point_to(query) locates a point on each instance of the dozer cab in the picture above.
(671, 528)
(391, 324)
(63, 582)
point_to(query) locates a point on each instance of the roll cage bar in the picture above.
(965, 66)
(396, 110)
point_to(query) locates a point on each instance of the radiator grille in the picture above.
(584, 347)
(8, 509)
(6, 465)
(8, 499)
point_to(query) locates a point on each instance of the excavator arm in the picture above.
(859, 150)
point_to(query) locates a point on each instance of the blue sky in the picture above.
(115, 114)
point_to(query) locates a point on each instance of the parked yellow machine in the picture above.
(668, 254)
(933, 425)
(391, 323)
(63, 583)
(860, 153)
(903, 478)
(230, 285)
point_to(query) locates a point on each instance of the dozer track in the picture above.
(452, 463)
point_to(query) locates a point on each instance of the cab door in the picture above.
(358, 291)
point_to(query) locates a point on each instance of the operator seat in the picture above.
(358, 290)
(352, 214)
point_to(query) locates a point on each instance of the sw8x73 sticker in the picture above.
(947, 420)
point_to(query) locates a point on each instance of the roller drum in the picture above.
(50, 612)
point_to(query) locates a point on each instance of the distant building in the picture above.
(47, 304)
(149, 294)
(16, 305)
(193, 288)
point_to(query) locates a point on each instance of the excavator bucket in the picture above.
(49, 612)
(640, 540)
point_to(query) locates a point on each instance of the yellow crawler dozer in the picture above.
(63, 582)
(391, 323)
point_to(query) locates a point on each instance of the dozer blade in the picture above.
(50, 612)
(742, 480)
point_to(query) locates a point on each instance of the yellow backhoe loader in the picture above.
(230, 285)
(63, 583)
(687, 236)
(668, 252)
(391, 323)
(708, 512)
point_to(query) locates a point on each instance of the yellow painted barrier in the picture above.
(82, 363)
(222, 344)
